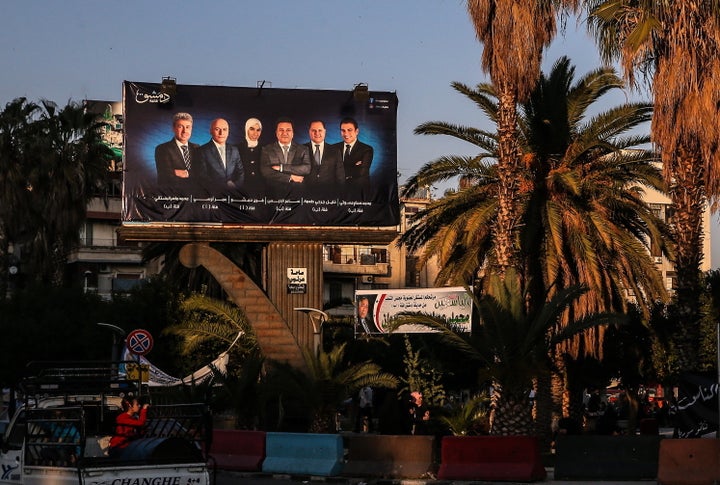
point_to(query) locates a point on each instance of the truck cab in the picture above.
(61, 432)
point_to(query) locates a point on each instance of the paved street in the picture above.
(236, 478)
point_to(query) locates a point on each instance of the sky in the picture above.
(85, 49)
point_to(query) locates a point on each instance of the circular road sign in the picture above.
(139, 342)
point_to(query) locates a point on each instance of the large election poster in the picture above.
(375, 308)
(266, 156)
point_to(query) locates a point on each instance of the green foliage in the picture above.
(420, 375)
(468, 418)
(510, 346)
(52, 162)
(318, 394)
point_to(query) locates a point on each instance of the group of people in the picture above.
(279, 168)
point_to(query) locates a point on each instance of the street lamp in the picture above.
(317, 318)
(88, 274)
(117, 342)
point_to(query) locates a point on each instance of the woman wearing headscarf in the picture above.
(250, 155)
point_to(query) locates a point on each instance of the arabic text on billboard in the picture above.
(377, 307)
(210, 154)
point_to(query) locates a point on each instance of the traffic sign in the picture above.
(139, 342)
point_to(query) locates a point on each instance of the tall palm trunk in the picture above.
(688, 198)
(544, 410)
(512, 415)
(505, 230)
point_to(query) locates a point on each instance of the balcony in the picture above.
(358, 260)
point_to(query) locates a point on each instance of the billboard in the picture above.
(374, 308)
(215, 155)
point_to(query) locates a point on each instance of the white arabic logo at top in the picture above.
(153, 97)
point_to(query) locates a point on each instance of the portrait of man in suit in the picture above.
(284, 163)
(327, 175)
(222, 169)
(365, 322)
(174, 159)
(357, 158)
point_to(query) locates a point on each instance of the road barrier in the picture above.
(506, 458)
(239, 450)
(388, 456)
(689, 461)
(602, 457)
(303, 453)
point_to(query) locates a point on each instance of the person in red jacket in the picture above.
(128, 425)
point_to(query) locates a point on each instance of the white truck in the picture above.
(60, 434)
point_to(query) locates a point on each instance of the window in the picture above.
(412, 275)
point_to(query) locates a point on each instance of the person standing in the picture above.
(250, 153)
(357, 158)
(284, 163)
(419, 414)
(365, 411)
(221, 165)
(327, 175)
(174, 159)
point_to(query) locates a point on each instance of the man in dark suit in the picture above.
(284, 163)
(357, 158)
(222, 169)
(174, 159)
(327, 176)
(364, 323)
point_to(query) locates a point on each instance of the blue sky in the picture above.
(82, 49)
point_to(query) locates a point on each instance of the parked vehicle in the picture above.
(60, 434)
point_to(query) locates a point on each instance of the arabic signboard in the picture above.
(297, 280)
(241, 181)
(377, 307)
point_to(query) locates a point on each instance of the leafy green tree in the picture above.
(421, 376)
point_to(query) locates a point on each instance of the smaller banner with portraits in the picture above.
(375, 308)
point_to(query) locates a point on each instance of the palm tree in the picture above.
(329, 381)
(510, 346)
(675, 45)
(211, 326)
(14, 198)
(514, 35)
(583, 218)
(65, 165)
(470, 417)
